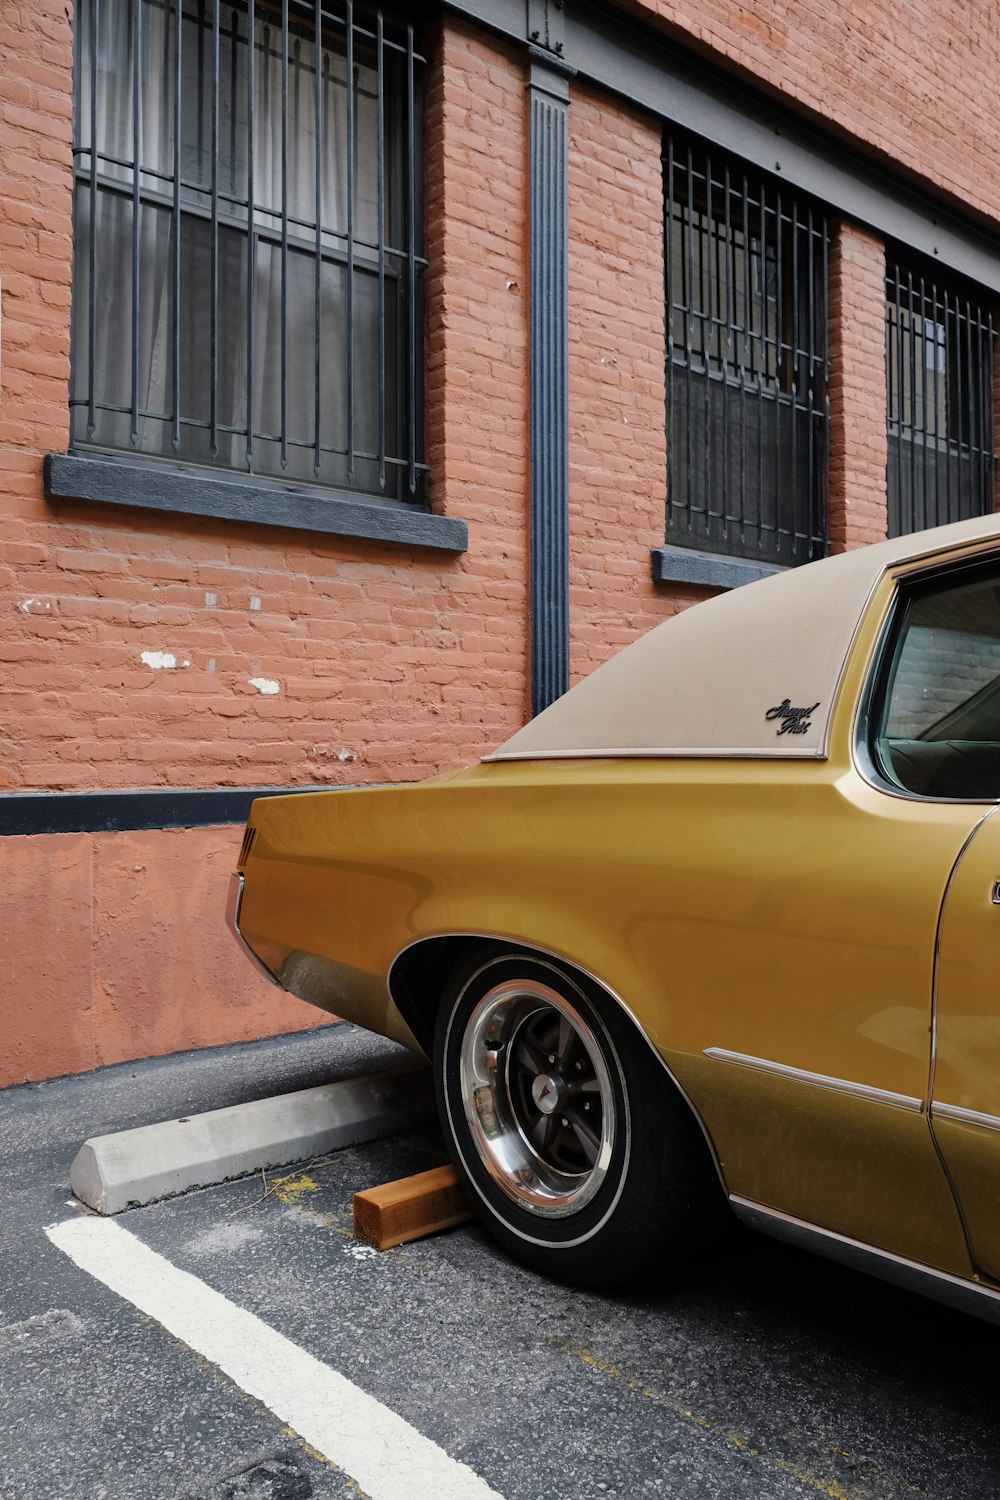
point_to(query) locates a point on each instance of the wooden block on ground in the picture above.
(410, 1208)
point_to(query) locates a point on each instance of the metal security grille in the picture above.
(939, 378)
(248, 239)
(747, 407)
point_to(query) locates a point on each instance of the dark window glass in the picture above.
(248, 261)
(746, 266)
(939, 729)
(939, 379)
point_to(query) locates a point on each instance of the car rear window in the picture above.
(938, 731)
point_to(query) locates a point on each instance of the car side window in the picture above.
(937, 726)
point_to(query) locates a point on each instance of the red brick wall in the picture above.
(858, 442)
(618, 454)
(477, 359)
(389, 664)
(36, 45)
(917, 84)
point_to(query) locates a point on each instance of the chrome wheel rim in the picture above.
(537, 1097)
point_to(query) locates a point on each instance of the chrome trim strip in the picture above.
(818, 1080)
(655, 753)
(559, 958)
(964, 1116)
(956, 1196)
(956, 1291)
(234, 903)
(834, 712)
(936, 974)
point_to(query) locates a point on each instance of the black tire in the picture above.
(578, 1152)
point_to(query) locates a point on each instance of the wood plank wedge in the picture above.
(409, 1209)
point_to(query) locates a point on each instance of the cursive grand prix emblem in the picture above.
(793, 720)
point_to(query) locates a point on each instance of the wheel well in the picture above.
(418, 977)
(419, 974)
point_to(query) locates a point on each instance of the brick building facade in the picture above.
(777, 225)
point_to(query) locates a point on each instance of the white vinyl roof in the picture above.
(751, 672)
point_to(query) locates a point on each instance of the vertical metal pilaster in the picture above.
(549, 99)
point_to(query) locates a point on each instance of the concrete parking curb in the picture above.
(135, 1167)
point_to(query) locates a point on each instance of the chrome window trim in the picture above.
(870, 773)
(818, 1080)
(956, 1291)
(654, 753)
(861, 753)
(935, 976)
(964, 1116)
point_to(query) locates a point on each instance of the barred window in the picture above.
(248, 249)
(747, 409)
(939, 380)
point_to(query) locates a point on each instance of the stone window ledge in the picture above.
(707, 569)
(152, 486)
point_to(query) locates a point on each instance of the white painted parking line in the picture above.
(387, 1457)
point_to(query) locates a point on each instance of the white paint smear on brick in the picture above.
(159, 660)
(387, 1457)
(265, 685)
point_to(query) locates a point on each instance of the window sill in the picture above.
(332, 512)
(707, 569)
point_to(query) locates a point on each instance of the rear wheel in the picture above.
(579, 1154)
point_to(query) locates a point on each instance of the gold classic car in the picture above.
(721, 926)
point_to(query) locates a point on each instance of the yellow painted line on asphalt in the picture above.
(387, 1457)
(822, 1485)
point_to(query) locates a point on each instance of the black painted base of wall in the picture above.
(122, 812)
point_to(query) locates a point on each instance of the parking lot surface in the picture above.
(758, 1371)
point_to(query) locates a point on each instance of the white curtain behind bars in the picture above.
(284, 153)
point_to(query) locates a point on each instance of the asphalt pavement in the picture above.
(757, 1372)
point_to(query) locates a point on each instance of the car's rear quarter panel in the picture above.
(734, 904)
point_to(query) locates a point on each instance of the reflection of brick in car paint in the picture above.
(273, 1476)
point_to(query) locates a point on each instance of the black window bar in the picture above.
(747, 364)
(249, 259)
(939, 387)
